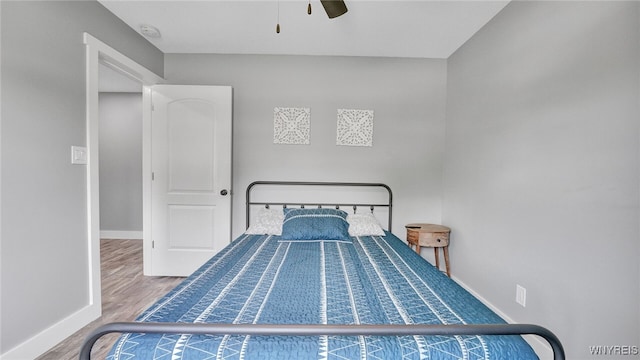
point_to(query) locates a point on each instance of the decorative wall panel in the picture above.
(291, 125)
(355, 127)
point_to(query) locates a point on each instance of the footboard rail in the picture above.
(315, 330)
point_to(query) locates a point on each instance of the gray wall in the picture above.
(120, 161)
(408, 97)
(541, 167)
(44, 214)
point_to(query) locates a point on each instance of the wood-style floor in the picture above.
(126, 292)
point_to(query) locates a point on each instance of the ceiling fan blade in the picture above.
(334, 8)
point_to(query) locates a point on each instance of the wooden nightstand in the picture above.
(430, 235)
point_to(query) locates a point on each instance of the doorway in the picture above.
(217, 99)
(120, 147)
(98, 53)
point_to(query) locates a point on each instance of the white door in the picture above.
(191, 176)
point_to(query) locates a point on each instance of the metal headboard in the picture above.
(387, 204)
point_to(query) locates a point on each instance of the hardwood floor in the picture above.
(126, 292)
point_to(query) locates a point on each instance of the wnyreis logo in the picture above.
(616, 350)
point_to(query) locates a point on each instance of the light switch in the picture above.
(79, 155)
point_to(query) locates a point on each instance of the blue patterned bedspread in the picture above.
(374, 280)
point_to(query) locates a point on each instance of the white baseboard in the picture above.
(120, 234)
(50, 337)
(539, 345)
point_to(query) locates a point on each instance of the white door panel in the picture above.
(191, 227)
(191, 164)
(191, 144)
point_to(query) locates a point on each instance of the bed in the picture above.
(319, 280)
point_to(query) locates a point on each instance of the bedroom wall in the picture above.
(541, 168)
(44, 282)
(407, 96)
(120, 165)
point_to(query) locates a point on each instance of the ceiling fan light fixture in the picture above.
(334, 8)
(149, 31)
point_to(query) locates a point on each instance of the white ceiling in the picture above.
(395, 28)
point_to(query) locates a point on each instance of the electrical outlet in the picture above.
(521, 295)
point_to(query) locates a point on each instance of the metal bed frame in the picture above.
(320, 329)
(388, 204)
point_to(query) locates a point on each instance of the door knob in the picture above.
(224, 192)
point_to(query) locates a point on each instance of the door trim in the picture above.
(98, 52)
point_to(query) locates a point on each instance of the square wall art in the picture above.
(291, 125)
(355, 127)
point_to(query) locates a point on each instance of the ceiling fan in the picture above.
(334, 8)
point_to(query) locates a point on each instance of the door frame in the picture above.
(98, 52)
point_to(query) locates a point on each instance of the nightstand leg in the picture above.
(437, 255)
(446, 260)
(418, 248)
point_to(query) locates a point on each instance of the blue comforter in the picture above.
(373, 280)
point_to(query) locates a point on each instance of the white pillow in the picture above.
(364, 225)
(267, 221)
